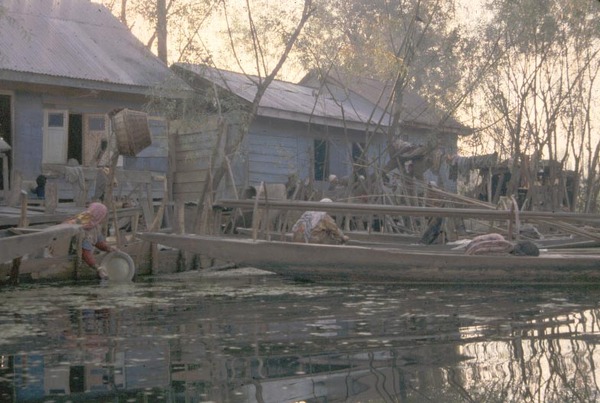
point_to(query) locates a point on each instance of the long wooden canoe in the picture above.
(30, 240)
(417, 263)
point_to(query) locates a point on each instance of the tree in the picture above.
(407, 44)
(258, 38)
(167, 24)
(532, 105)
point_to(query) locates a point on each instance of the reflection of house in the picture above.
(63, 66)
(303, 131)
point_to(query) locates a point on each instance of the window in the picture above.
(56, 119)
(321, 157)
(359, 159)
(96, 123)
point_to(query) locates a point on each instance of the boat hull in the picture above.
(378, 264)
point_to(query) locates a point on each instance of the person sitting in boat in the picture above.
(91, 221)
(496, 244)
(318, 227)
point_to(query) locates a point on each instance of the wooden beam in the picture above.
(381, 209)
(19, 245)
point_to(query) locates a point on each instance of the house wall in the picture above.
(192, 156)
(29, 124)
(275, 149)
(28, 131)
(272, 151)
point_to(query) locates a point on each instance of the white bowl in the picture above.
(119, 266)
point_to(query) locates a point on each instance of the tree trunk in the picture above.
(124, 12)
(161, 29)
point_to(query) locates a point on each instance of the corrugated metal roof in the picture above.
(294, 101)
(74, 39)
(415, 111)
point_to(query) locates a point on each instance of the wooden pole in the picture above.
(266, 222)
(360, 208)
(5, 184)
(16, 263)
(255, 217)
(515, 207)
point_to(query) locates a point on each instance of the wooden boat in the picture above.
(18, 242)
(412, 263)
(68, 267)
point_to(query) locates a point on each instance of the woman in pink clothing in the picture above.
(91, 221)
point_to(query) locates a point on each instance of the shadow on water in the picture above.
(237, 338)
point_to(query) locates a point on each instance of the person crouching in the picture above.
(496, 244)
(318, 227)
(91, 221)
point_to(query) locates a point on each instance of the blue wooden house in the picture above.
(307, 131)
(64, 65)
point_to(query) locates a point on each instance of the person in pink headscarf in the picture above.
(91, 221)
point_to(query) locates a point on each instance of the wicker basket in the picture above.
(132, 131)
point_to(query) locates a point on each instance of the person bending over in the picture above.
(91, 221)
(318, 227)
(495, 244)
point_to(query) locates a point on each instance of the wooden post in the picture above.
(135, 220)
(78, 255)
(489, 184)
(16, 263)
(517, 219)
(266, 221)
(116, 226)
(158, 217)
(255, 215)
(510, 222)
(179, 216)
(23, 218)
(51, 197)
(5, 184)
(17, 183)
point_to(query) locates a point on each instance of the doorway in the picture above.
(75, 143)
(6, 132)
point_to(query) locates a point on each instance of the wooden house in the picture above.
(305, 131)
(64, 66)
(421, 123)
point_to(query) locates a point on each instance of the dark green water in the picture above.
(237, 338)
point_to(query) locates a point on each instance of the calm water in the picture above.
(237, 338)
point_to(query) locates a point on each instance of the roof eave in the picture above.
(56, 81)
(317, 120)
(460, 131)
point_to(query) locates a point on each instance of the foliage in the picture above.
(412, 42)
(537, 103)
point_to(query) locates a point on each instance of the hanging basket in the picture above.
(132, 131)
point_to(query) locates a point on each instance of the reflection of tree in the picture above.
(549, 359)
(410, 346)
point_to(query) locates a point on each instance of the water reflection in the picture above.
(261, 339)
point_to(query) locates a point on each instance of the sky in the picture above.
(469, 11)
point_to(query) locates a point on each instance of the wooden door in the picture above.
(56, 136)
(94, 133)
